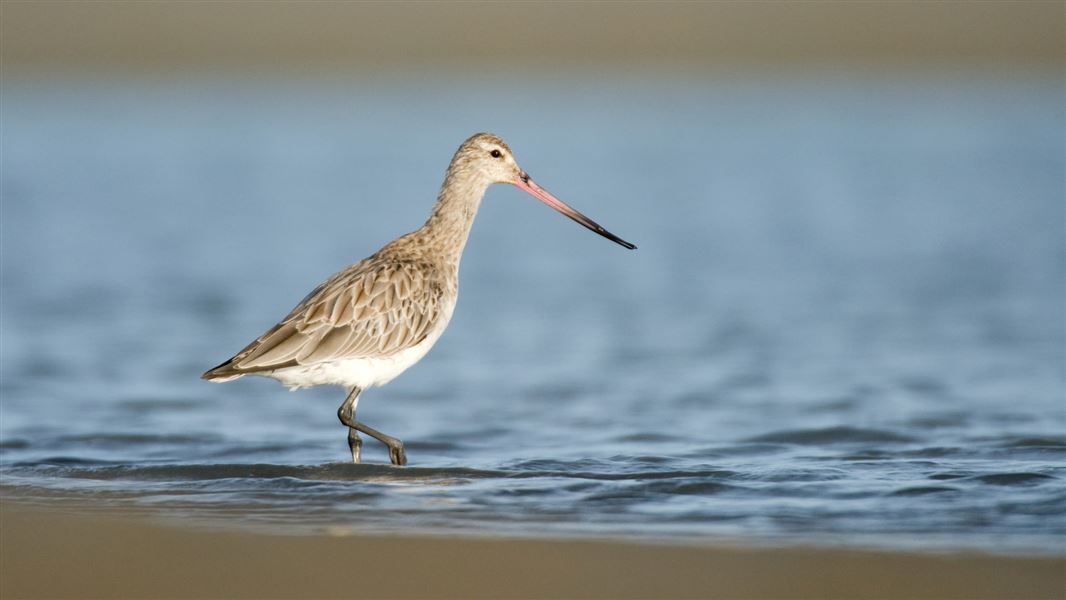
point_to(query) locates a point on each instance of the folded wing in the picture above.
(372, 309)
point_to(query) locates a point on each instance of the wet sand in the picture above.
(59, 554)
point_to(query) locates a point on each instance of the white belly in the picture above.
(357, 372)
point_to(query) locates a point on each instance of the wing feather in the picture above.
(372, 309)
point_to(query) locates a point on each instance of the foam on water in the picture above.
(844, 324)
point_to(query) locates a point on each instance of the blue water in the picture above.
(844, 325)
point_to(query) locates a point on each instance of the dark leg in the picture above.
(346, 413)
(397, 454)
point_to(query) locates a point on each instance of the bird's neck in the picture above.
(448, 227)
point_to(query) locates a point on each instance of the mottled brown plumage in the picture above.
(376, 307)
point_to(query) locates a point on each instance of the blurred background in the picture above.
(845, 316)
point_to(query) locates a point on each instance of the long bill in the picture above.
(524, 183)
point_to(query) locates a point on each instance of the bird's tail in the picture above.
(222, 373)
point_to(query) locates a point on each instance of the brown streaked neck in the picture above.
(448, 226)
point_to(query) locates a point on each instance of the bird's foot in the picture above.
(397, 454)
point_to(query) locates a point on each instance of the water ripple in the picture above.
(832, 435)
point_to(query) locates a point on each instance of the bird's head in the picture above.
(486, 159)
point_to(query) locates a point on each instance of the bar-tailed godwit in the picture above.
(370, 322)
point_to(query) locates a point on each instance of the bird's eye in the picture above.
(495, 153)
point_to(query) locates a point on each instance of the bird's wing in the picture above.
(368, 310)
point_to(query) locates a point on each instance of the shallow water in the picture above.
(844, 324)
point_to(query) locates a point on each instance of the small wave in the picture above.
(866, 455)
(543, 464)
(648, 491)
(934, 452)
(831, 435)
(646, 437)
(122, 439)
(783, 475)
(1012, 478)
(620, 468)
(688, 488)
(939, 421)
(1037, 443)
(948, 476)
(745, 449)
(62, 461)
(642, 460)
(632, 476)
(923, 490)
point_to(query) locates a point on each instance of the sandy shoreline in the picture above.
(53, 554)
(332, 37)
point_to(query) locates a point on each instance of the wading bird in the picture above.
(370, 322)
